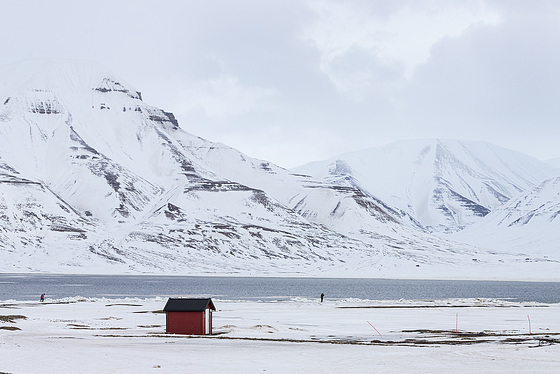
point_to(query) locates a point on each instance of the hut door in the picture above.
(207, 321)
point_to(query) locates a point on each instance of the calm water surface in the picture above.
(31, 286)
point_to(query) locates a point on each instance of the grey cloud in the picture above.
(499, 81)
(496, 81)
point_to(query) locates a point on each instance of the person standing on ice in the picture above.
(42, 297)
(322, 296)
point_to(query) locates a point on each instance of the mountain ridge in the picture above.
(443, 184)
(116, 185)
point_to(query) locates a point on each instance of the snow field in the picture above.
(301, 335)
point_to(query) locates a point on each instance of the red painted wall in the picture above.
(189, 323)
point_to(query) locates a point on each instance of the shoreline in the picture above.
(291, 276)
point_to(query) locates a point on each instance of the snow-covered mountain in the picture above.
(444, 185)
(120, 173)
(529, 223)
(93, 179)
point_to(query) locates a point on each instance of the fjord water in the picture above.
(31, 286)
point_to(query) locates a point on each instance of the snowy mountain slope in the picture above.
(96, 180)
(23, 207)
(445, 185)
(341, 207)
(323, 203)
(38, 228)
(529, 223)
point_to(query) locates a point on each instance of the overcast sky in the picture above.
(296, 81)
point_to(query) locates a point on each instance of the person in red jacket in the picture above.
(42, 297)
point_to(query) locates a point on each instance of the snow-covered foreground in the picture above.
(298, 336)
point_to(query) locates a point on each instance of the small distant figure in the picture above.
(322, 296)
(42, 297)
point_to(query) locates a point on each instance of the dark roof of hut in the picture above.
(188, 305)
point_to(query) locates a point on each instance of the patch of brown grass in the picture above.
(11, 318)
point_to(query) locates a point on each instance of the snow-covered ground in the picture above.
(298, 336)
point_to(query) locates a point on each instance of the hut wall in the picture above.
(189, 323)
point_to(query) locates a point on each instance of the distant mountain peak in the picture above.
(110, 85)
(444, 184)
(65, 78)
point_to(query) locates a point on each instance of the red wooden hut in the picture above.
(189, 316)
